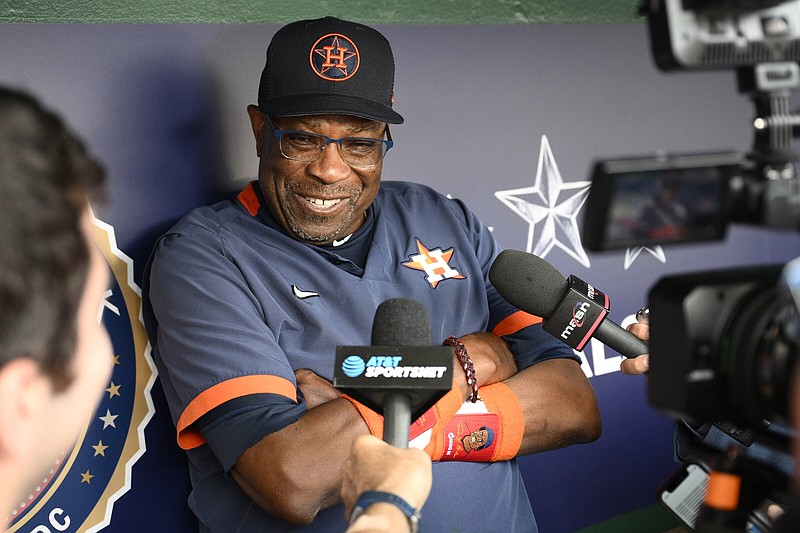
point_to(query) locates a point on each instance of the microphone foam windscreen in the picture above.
(528, 282)
(401, 322)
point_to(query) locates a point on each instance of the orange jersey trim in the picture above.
(248, 198)
(515, 322)
(189, 437)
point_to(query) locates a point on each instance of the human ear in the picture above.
(24, 394)
(257, 122)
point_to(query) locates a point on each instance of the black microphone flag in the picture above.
(401, 375)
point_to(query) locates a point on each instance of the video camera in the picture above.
(702, 193)
(710, 330)
(723, 344)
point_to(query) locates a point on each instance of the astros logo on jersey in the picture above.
(435, 263)
(334, 57)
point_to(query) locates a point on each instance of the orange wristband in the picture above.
(373, 420)
(500, 400)
(444, 409)
(503, 418)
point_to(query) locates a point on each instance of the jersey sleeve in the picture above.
(228, 428)
(522, 331)
(209, 334)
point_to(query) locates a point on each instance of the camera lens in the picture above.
(762, 344)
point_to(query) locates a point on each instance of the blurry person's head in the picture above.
(55, 356)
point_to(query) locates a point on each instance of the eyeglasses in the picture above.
(355, 151)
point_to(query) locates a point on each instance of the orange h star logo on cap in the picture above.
(334, 57)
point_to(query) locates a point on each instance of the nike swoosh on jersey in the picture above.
(341, 242)
(303, 295)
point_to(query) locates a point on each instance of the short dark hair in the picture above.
(46, 180)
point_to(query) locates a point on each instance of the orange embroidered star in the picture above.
(435, 263)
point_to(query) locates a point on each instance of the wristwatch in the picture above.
(374, 496)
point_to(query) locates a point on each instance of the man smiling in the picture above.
(246, 301)
(332, 205)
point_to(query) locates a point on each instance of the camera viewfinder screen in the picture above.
(666, 206)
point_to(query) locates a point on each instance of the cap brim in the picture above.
(330, 104)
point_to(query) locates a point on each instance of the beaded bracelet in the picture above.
(466, 364)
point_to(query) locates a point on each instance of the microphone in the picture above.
(572, 310)
(400, 375)
(399, 322)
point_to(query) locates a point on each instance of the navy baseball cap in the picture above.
(329, 66)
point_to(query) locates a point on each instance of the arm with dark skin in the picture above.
(557, 399)
(559, 406)
(297, 471)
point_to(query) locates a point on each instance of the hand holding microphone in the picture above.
(572, 310)
(400, 375)
(375, 465)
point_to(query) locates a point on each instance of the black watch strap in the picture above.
(374, 496)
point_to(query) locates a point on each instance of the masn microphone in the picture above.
(401, 375)
(571, 310)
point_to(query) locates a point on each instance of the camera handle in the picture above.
(768, 191)
(770, 86)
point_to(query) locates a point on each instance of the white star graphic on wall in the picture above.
(632, 253)
(553, 206)
(107, 305)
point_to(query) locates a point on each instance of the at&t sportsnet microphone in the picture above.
(571, 310)
(401, 375)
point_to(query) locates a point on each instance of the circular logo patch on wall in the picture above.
(79, 492)
(334, 57)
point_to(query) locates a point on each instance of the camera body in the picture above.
(718, 34)
(701, 193)
(723, 345)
